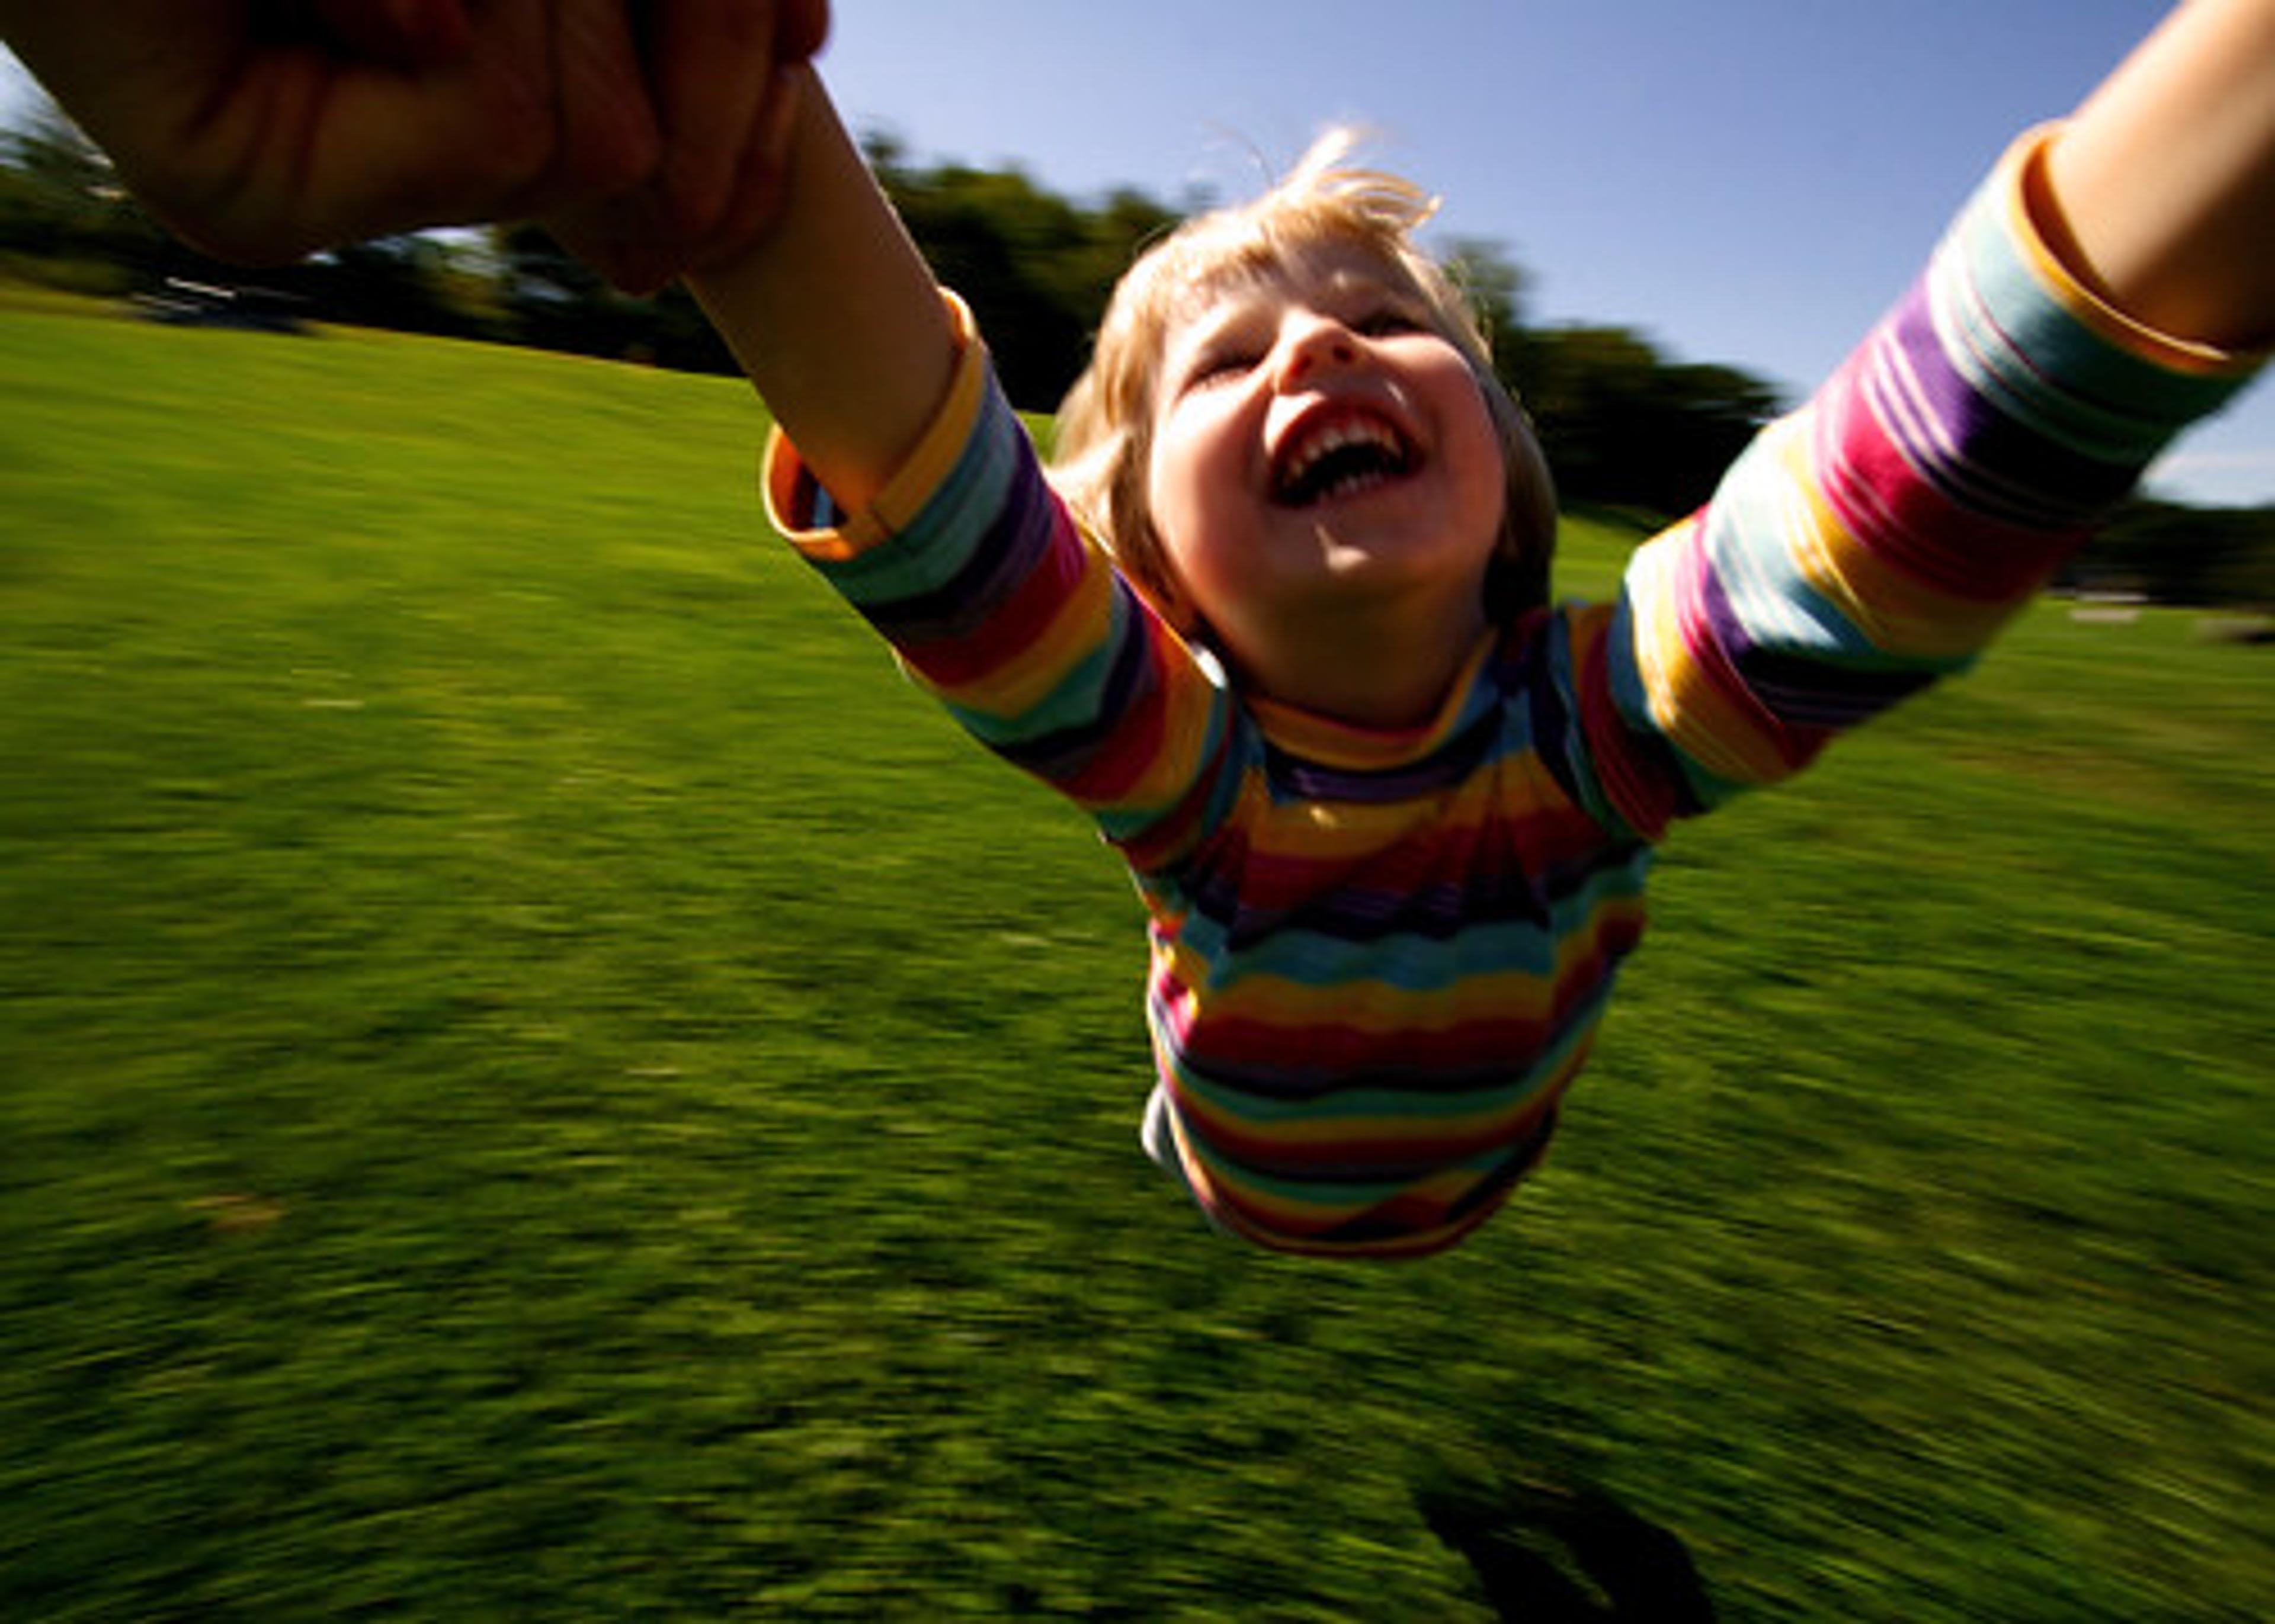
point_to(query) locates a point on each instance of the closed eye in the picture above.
(1386, 322)
(1217, 367)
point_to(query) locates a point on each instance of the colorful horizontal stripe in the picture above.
(1379, 959)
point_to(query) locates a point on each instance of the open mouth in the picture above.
(1344, 458)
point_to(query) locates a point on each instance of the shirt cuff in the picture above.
(2031, 205)
(803, 511)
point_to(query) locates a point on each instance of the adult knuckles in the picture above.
(801, 29)
(530, 152)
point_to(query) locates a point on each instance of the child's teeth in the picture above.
(1332, 439)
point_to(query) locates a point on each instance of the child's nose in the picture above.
(1311, 343)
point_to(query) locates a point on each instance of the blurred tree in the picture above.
(66, 218)
(413, 284)
(552, 300)
(1496, 286)
(1620, 424)
(62, 208)
(2171, 552)
(1036, 269)
(548, 298)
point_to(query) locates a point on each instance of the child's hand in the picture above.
(262, 129)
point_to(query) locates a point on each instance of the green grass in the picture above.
(538, 1078)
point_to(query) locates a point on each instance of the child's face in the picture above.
(1316, 442)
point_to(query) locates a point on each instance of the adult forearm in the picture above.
(835, 316)
(2163, 183)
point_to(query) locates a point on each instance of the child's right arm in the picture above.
(834, 315)
(946, 537)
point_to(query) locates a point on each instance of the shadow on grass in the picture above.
(1559, 1554)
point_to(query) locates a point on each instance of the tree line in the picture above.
(1624, 424)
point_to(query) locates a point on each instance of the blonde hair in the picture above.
(1105, 424)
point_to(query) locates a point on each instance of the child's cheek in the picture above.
(1180, 477)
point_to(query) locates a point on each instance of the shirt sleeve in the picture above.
(994, 599)
(1877, 539)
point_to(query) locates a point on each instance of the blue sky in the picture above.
(1750, 182)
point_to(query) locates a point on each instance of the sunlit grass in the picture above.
(537, 1075)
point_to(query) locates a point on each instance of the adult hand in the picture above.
(261, 129)
(724, 75)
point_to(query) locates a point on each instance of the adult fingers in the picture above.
(608, 135)
(553, 101)
(801, 29)
(545, 103)
(629, 239)
(409, 34)
(622, 238)
(750, 204)
(762, 185)
(710, 64)
(725, 78)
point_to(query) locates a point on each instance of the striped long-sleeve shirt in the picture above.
(1378, 958)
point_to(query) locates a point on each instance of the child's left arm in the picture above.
(2160, 192)
(2111, 283)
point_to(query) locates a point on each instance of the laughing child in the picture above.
(1278, 621)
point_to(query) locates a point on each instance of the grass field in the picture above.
(537, 1079)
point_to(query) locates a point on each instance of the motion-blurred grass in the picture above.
(538, 1078)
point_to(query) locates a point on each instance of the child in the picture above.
(1285, 634)
(1281, 628)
